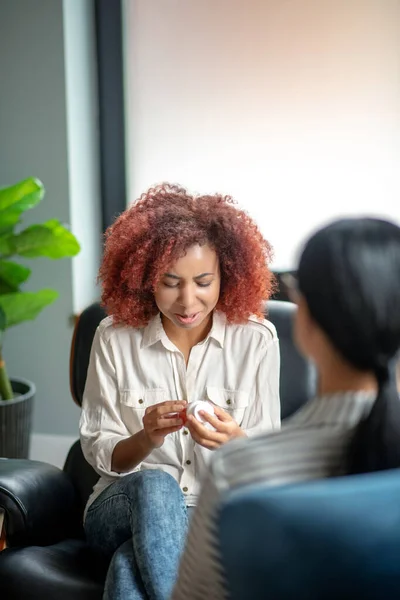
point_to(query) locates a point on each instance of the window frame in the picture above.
(108, 16)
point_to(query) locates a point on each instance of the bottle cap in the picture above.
(195, 407)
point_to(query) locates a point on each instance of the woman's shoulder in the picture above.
(263, 325)
(108, 329)
(255, 327)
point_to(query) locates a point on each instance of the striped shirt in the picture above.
(311, 445)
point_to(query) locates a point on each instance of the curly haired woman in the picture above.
(184, 281)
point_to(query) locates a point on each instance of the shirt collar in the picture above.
(154, 332)
(217, 331)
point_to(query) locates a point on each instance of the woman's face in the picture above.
(305, 329)
(189, 291)
(309, 337)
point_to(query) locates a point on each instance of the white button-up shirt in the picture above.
(235, 367)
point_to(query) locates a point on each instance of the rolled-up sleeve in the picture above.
(101, 426)
(264, 413)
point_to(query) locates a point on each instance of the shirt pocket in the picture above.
(234, 402)
(135, 402)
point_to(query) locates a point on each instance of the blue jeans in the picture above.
(140, 522)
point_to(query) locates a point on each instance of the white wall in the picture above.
(291, 106)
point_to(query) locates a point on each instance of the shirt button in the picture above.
(185, 489)
(188, 462)
(229, 401)
(185, 432)
(140, 401)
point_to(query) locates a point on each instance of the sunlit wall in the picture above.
(291, 106)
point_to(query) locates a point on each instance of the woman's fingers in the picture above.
(205, 441)
(170, 406)
(221, 414)
(167, 430)
(214, 421)
(152, 423)
(200, 431)
(164, 415)
(222, 433)
(168, 422)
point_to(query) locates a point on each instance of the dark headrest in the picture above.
(82, 340)
(297, 375)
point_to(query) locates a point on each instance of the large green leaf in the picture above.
(25, 306)
(22, 196)
(8, 219)
(6, 245)
(11, 276)
(50, 239)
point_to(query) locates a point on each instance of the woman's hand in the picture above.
(225, 427)
(161, 419)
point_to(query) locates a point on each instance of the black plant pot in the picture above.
(16, 420)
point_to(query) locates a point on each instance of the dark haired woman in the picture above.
(184, 281)
(348, 323)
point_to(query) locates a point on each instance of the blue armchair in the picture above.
(335, 539)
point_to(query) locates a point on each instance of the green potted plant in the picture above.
(50, 239)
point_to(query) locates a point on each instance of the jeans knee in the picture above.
(163, 482)
(157, 486)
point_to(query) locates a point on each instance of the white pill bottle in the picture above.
(194, 409)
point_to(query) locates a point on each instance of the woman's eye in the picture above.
(175, 285)
(204, 284)
(171, 285)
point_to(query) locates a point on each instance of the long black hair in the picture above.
(349, 275)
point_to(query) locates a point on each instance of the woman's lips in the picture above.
(187, 319)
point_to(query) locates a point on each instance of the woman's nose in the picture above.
(186, 296)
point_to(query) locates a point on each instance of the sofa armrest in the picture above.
(39, 503)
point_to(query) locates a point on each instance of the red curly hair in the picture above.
(158, 229)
